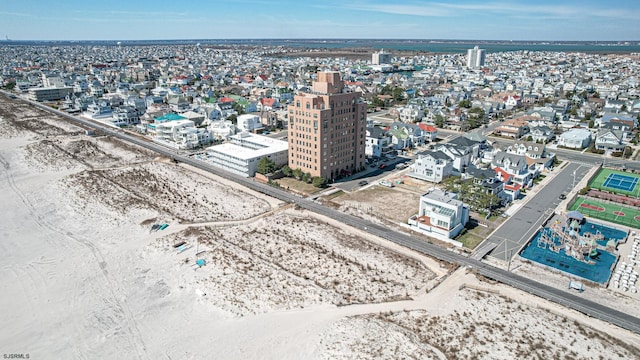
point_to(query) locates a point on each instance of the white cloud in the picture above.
(439, 9)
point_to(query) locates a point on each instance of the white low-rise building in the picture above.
(575, 138)
(432, 166)
(49, 93)
(243, 151)
(222, 129)
(441, 215)
(181, 134)
(248, 122)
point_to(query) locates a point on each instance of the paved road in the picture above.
(371, 175)
(556, 295)
(521, 226)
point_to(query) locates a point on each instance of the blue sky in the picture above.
(246, 19)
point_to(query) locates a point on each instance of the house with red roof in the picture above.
(267, 104)
(512, 191)
(430, 132)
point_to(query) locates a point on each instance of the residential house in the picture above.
(99, 110)
(430, 132)
(514, 128)
(462, 151)
(432, 166)
(197, 118)
(406, 135)
(249, 122)
(378, 142)
(624, 128)
(515, 166)
(607, 139)
(576, 138)
(126, 115)
(221, 129)
(181, 134)
(545, 113)
(534, 153)
(489, 181)
(460, 156)
(411, 113)
(542, 134)
(178, 103)
(441, 215)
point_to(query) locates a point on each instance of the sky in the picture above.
(551, 20)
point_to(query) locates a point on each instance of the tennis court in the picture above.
(616, 181)
(620, 182)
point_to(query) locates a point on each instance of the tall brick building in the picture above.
(327, 129)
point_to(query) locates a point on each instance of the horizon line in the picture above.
(323, 39)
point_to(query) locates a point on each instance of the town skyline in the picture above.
(255, 19)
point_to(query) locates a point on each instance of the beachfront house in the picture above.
(441, 215)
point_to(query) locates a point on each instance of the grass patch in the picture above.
(470, 240)
(334, 195)
(297, 185)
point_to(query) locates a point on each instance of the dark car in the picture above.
(363, 183)
(563, 196)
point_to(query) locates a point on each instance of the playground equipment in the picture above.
(564, 234)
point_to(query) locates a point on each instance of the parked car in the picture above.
(563, 196)
(382, 166)
(363, 182)
(401, 166)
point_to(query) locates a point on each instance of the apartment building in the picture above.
(327, 129)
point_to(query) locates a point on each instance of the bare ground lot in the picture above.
(381, 202)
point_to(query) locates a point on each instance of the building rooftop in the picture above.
(246, 146)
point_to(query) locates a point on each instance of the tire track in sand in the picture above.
(135, 336)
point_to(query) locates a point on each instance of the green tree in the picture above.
(398, 94)
(297, 173)
(440, 120)
(238, 108)
(377, 102)
(286, 171)
(233, 118)
(266, 166)
(306, 177)
(465, 104)
(319, 182)
(591, 123)
(10, 86)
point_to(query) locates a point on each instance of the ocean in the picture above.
(431, 46)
